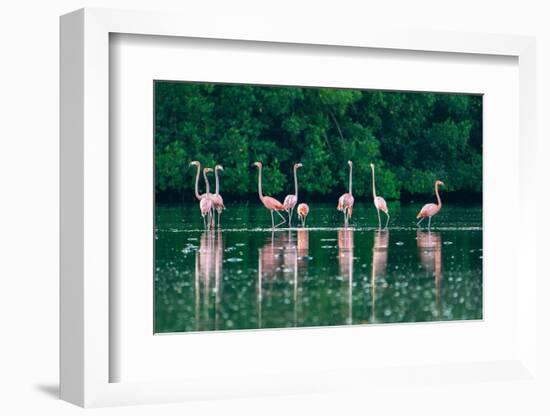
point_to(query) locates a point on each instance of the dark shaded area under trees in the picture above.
(413, 138)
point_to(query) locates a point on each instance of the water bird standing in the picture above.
(303, 210)
(217, 200)
(379, 202)
(429, 210)
(197, 195)
(290, 200)
(345, 202)
(205, 204)
(270, 203)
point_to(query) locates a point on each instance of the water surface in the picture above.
(247, 276)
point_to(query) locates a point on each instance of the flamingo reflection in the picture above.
(280, 257)
(271, 265)
(302, 262)
(208, 276)
(345, 261)
(429, 250)
(379, 264)
(302, 247)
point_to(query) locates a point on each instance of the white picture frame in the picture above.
(85, 211)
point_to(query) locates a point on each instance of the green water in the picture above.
(246, 276)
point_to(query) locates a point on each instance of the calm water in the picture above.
(246, 276)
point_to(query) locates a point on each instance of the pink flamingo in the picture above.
(216, 198)
(270, 203)
(197, 195)
(207, 194)
(205, 203)
(303, 210)
(429, 210)
(290, 200)
(379, 202)
(345, 202)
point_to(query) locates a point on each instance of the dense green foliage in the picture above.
(413, 138)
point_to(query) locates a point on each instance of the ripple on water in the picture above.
(234, 260)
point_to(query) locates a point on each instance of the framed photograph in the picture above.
(342, 261)
(246, 214)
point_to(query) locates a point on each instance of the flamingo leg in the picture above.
(272, 220)
(429, 222)
(346, 217)
(283, 218)
(379, 222)
(219, 219)
(418, 223)
(290, 217)
(387, 221)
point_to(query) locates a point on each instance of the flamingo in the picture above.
(345, 202)
(198, 165)
(303, 210)
(270, 203)
(205, 203)
(290, 200)
(429, 210)
(379, 202)
(202, 205)
(217, 199)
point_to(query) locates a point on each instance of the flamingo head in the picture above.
(219, 167)
(258, 164)
(439, 183)
(194, 163)
(297, 165)
(207, 170)
(350, 162)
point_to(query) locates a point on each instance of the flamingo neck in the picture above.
(217, 182)
(373, 185)
(197, 182)
(260, 183)
(295, 183)
(350, 178)
(207, 184)
(437, 195)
